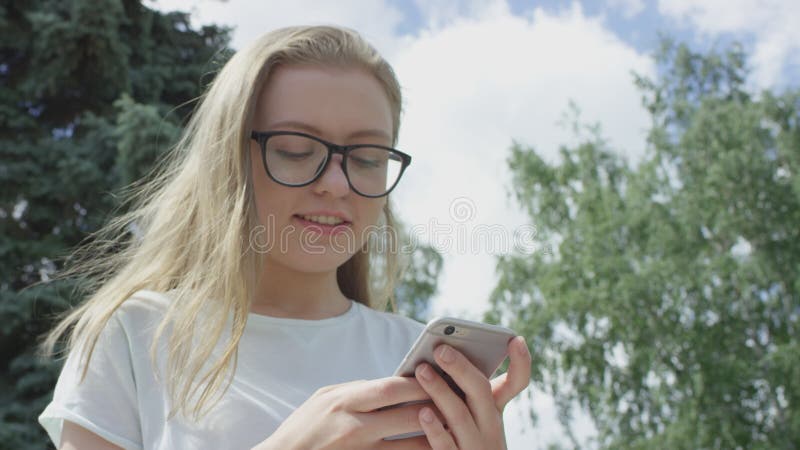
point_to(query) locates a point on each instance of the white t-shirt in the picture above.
(281, 363)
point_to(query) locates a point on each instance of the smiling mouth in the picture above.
(324, 221)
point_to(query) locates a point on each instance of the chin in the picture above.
(313, 263)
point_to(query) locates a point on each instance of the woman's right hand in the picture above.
(347, 416)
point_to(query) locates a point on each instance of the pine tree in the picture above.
(91, 94)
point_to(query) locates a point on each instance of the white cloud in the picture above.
(375, 19)
(438, 14)
(630, 8)
(773, 24)
(474, 86)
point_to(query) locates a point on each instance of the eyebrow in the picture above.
(367, 132)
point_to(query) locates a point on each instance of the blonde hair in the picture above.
(194, 230)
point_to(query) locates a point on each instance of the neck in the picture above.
(287, 293)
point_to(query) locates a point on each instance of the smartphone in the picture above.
(484, 345)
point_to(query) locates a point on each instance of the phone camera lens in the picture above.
(449, 330)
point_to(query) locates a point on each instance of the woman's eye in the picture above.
(367, 163)
(294, 156)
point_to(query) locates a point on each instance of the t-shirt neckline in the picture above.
(272, 321)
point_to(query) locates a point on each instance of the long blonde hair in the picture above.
(195, 217)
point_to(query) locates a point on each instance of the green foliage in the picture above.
(670, 309)
(418, 283)
(91, 94)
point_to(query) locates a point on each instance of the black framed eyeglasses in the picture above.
(298, 159)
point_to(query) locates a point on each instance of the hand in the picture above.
(345, 416)
(476, 423)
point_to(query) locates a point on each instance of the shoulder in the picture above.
(390, 323)
(137, 318)
(143, 306)
(383, 339)
(147, 300)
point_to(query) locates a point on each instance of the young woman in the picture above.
(247, 303)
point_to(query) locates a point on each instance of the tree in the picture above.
(419, 282)
(670, 308)
(91, 94)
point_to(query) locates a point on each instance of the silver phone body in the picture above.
(484, 345)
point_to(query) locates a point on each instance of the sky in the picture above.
(479, 75)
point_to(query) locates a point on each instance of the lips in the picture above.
(323, 219)
(324, 228)
(324, 213)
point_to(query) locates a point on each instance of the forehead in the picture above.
(336, 101)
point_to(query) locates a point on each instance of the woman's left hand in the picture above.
(477, 422)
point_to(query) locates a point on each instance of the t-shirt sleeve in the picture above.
(105, 402)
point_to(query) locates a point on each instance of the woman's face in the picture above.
(339, 105)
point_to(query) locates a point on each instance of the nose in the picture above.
(333, 179)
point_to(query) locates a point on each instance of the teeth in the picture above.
(325, 220)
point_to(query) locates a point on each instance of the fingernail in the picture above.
(446, 354)
(522, 349)
(427, 415)
(425, 372)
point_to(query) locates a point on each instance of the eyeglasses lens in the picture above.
(296, 160)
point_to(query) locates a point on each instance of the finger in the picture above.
(397, 420)
(438, 437)
(517, 377)
(475, 385)
(415, 443)
(333, 387)
(374, 394)
(456, 413)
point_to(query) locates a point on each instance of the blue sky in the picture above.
(638, 23)
(478, 75)
(636, 30)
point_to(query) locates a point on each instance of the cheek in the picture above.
(262, 187)
(370, 211)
